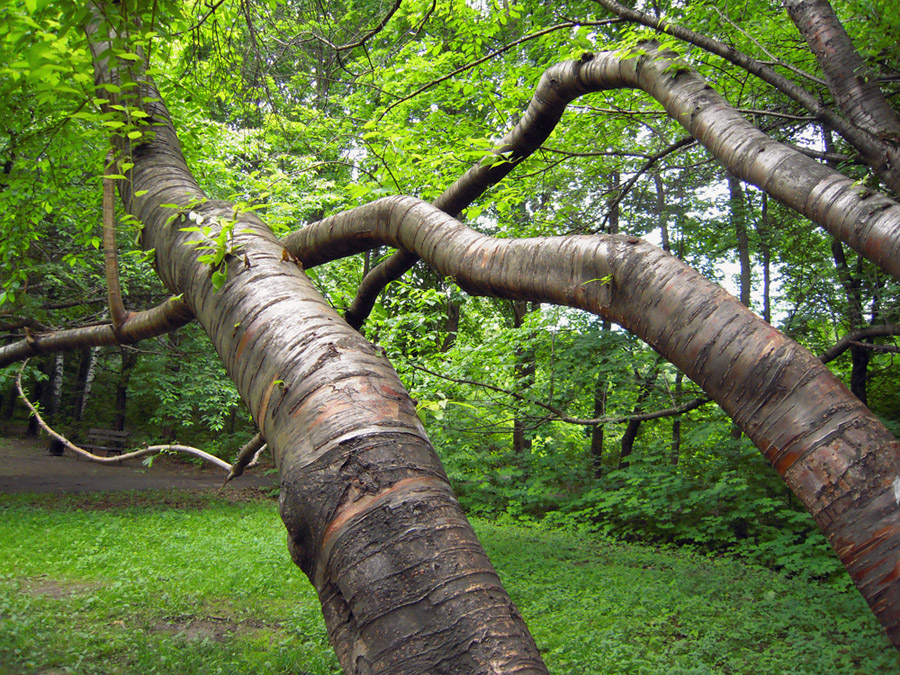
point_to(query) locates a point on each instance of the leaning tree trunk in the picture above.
(405, 585)
(831, 451)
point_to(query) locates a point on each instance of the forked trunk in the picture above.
(405, 585)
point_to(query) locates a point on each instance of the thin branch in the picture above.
(163, 318)
(793, 69)
(562, 416)
(372, 33)
(488, 57)
(685, 142)
(149, 450)
(117, 310)
(247, 457)
(848, 340)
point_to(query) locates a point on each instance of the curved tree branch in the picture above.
(143, 452)
(850, 339)
(866, 221)
(164, 318)
(831, 451)
(247, 456)
(563, 416)
(881, 156)
(117, 311)
(854, 89)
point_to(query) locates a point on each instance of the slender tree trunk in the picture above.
(451, 324)
(600, 391)
(52, 404)
(763, 231)
(86, 372)
(675, 445)
(524, 373)
(128, 362)
(738, 207)
(9, 405)
(633, 426)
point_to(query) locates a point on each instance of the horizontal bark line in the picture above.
(802, 418)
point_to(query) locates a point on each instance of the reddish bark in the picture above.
(854, 89)
(404, 583)
(831, 451)
(867, 221)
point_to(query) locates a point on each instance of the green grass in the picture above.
(187, 583)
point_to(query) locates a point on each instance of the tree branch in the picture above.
(164, 318)
(149, 450)
(562, 416)
(873, 149)
(850, 339)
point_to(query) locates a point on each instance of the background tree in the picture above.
(279, 106)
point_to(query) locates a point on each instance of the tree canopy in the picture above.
(526, 153)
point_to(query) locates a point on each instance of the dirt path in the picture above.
(25, 466)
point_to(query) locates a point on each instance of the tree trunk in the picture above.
(54, 391)
(86, 372)
(451, 324)
(832, 452)
(763, 231)
(524, 374)
(405, 585)
(128, 362)
(600, 391)
(854, 89)
(739, 220)
(675, 445)
(634, 425)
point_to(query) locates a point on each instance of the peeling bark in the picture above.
(405, 585)
(830, 450)
(854, 89)
(866, 221)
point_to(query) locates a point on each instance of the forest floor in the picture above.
(25, 466)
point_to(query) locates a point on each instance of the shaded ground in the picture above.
(25, 466)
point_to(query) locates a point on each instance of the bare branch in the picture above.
(163, 318)
(488, 57)
(853, 338)
(562, 416)
(365, 38)
(247, 456)
(873, 149)
(149, 450)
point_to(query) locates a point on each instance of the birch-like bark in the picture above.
(882, 156)
(867, 221)
(86, 373)
(854, 89)
(173, 313)
(405, 585)
(831, 451)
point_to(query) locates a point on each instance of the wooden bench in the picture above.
(108, 440)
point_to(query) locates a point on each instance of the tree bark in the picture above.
(867, 221)
(524, 373)
(634, 425)
(84, 381)
(854, 89)
(128, 362)
(831, 451)
(404, 584)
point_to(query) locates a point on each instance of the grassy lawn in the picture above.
(187, 583)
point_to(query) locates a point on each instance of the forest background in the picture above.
(302, 110)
